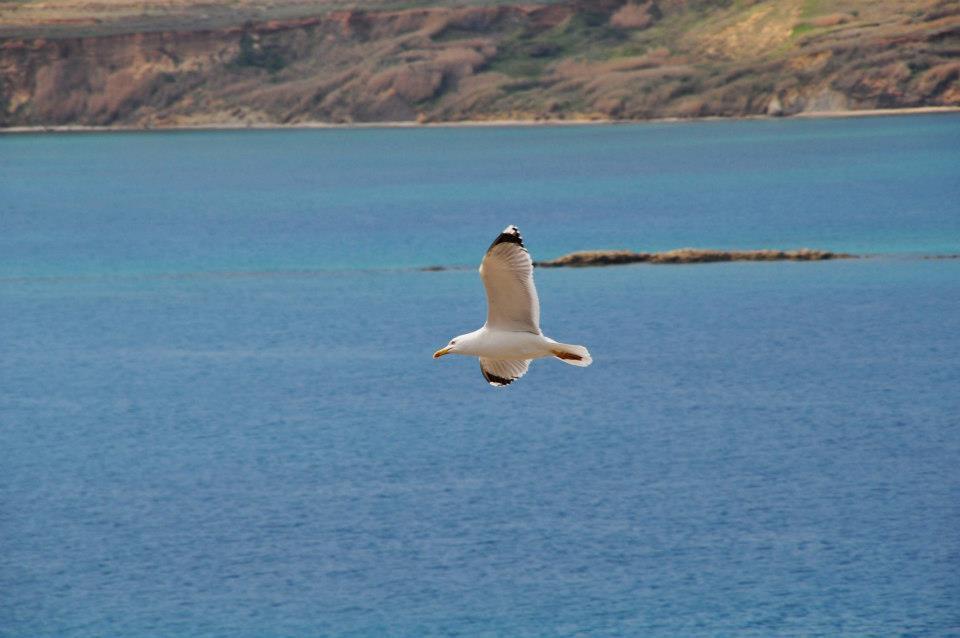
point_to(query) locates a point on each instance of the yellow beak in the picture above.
(442, 351)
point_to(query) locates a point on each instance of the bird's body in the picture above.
(511, 337)
(502, 344)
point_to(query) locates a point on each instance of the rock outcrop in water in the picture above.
(76, 62)
(685, 256)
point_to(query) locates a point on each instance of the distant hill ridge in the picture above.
(168, 63)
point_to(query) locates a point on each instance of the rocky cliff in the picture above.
(567, 60)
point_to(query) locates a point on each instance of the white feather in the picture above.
(507, 273)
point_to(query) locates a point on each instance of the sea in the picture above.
(220, 417)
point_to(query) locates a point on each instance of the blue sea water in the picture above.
(219, 415)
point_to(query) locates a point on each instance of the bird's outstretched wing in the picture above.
(503, 371)
(507, 273)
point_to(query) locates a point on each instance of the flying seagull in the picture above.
(511, 337)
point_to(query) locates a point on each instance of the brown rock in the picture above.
(686, 256)
(633, 16)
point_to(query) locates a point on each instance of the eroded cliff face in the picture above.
(605, 59)
(104, 80)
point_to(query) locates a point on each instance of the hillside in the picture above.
(116, 62)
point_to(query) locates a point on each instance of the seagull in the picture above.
(511, 337)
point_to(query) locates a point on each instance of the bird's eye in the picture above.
(453, 342)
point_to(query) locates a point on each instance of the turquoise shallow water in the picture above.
(219, 415)
(269, 200)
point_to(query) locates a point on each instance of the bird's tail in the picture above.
(574, 355)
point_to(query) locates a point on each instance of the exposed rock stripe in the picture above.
(686, 256)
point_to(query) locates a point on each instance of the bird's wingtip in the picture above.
(510, 234)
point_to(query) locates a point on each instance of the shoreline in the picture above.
(493, 123)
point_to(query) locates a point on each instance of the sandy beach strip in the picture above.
(233, 126)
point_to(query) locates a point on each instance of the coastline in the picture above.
(493, 123)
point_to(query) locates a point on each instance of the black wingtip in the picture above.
(494, 380)
(510, 234)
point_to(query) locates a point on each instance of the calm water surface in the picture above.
(219, 415)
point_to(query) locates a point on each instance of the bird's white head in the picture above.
(457, 345)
